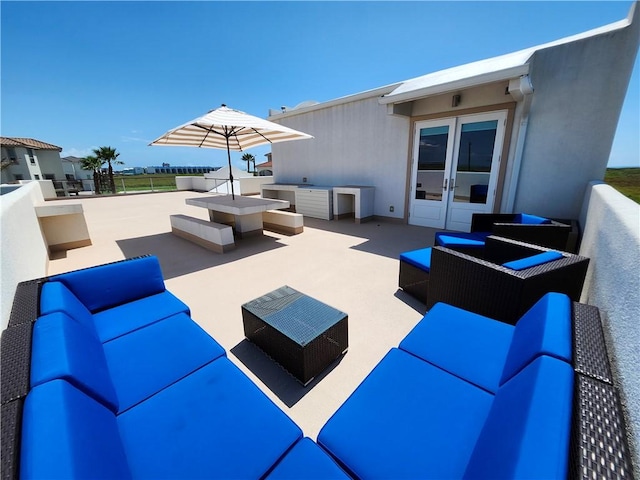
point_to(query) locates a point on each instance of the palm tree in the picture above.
(109, 155)
(95, 165)
(247, 157)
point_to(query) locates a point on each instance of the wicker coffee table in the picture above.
(299, 332)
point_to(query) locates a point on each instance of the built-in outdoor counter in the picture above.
(353, 201)
(281, 191)
(314, 201)
(63, 225)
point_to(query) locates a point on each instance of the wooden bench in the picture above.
(287, 223)
(210, 235)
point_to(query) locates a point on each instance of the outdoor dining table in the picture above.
(244, 214)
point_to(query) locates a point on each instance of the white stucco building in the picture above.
(522, 132)
(30, 159)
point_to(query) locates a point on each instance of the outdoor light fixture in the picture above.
(455, 100)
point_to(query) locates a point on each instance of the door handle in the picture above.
(453, 184)
(446, 180)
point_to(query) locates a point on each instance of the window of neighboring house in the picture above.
(69, 176)
(32, 158)
(49, 176)
(19, 176)
(36, 176)
(12, 154)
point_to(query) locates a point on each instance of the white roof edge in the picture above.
(376, 92)
(502, 67)
(489, 77)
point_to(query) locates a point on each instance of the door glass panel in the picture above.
(475, 155)
(432, 156)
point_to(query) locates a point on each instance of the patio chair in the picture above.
(510, 278)
(557, 234)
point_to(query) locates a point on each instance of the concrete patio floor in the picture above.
(352, 267)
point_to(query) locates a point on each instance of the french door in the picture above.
(455, 169)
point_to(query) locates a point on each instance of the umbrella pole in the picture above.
(233, 197)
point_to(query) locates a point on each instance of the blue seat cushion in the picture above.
(65, 349)
(214, 422)
(464, 344)
(533, 260)
(418, 258)
(307, 461)
(527, 219)
(145, 361)
(56, 297)
(466, 240)
(66, 434)
(106, 286)
(528, 429)
(545, 329)
(126, 318)
(407, 419)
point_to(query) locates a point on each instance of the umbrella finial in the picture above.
(223, 105)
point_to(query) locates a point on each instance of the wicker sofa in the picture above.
(105, 375)
(468, 396)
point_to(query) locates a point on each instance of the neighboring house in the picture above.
(72, 167)
(265, 169)
(30, 159)
(522, 132)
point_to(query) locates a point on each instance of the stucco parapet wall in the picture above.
(612, 240)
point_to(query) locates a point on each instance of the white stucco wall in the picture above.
(23, 251)
(355, 143)
(611, 240)
(579, 89)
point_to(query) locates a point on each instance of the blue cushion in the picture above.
(126, 318)
(533, 261)
(214, 422)
(407, 419)
(466, 240)
(418, 258)
(529, 426)
(65, 349)
(55, 297)
(527, 219)
(152, 358)
(66, 434)
(306, 461)
(109, 285)
(545, 329)
(465, 344)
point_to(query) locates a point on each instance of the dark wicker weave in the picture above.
(414, 281)
(559, 234)
(487, 288)
(305, 340)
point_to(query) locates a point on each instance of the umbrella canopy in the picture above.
(228, 129)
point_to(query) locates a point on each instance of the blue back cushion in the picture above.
(109, 285)
(527, 432)
(466, 240)
(56, 297)
(65, 349)
(533, 260)
(66, 434)
(527, 219)
(418, 258)
(544, 330)
(304, 459)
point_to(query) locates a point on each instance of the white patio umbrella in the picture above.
(225, 128)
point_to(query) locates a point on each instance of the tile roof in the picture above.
(28, 143)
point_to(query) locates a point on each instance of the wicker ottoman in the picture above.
(301, 333)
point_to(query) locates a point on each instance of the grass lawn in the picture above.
(625, 180)
(138, 183)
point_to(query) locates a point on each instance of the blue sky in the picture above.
(87, 74)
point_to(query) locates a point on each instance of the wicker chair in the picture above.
(486, 287)
(558, 234)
